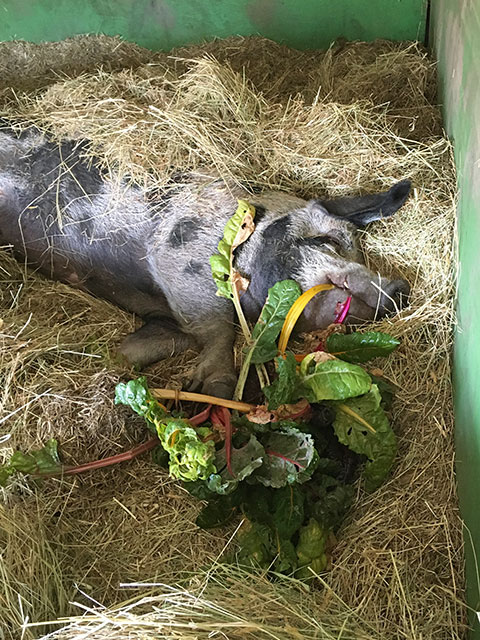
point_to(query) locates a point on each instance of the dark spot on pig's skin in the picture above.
(275, 261)
(193, 268)
(78, 178)
(184, 231)
(276, 230)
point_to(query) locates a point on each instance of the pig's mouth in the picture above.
(382, 297)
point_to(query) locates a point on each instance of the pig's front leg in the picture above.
(184, 276)
(215, 374)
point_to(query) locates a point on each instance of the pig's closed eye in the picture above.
(323, 241)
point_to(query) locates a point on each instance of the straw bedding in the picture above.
(357, 117)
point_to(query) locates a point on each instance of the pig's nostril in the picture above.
(396, 295)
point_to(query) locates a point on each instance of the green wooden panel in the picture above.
(456, 39)
(163, 24)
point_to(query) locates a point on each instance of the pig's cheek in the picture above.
(359, 312)
(319, 313)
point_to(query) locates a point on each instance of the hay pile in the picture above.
(357, 117)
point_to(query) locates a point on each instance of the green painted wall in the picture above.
(456, 40)
(163, 24)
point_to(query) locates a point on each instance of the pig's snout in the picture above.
(394, 296)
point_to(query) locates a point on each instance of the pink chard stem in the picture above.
(340, 317)
(279, 455)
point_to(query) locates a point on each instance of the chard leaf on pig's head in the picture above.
(237, 230)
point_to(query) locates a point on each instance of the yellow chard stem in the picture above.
(173, 394)
(294, 313)
(355, 416)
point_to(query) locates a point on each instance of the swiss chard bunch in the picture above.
(191, 452)
(290, 468)
(282, 477)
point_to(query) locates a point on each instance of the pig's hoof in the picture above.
(213, 386)
(219, 388)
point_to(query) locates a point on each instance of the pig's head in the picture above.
(316, 242)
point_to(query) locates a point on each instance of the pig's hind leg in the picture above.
(162, 338)
(158, 339)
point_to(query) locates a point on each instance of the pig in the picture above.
(148, 251)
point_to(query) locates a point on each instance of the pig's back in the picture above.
(67, 218)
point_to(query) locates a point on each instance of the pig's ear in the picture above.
(364, 209)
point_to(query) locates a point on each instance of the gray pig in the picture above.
(149, 252)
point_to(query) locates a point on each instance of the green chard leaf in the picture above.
(312, 540)
(387, 391)
(160, 457)
(265, 333)
(135, 394)
(257, 504)
(281, 513)
(190, 458)
(289, 454)
(221, 274)
(317, 565)
(328, 500)
(287, 510)
(284, 389)
(237, 230)
(256, 546)
(220, 510)
(286, 560)
(311, 550)
(361, 347)
(199, 489)
(215, 514)
(243, 463)
(332, 380)
(379, 446)
(5, 473)
(280, 509)
(38, 462)
(44, 460)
